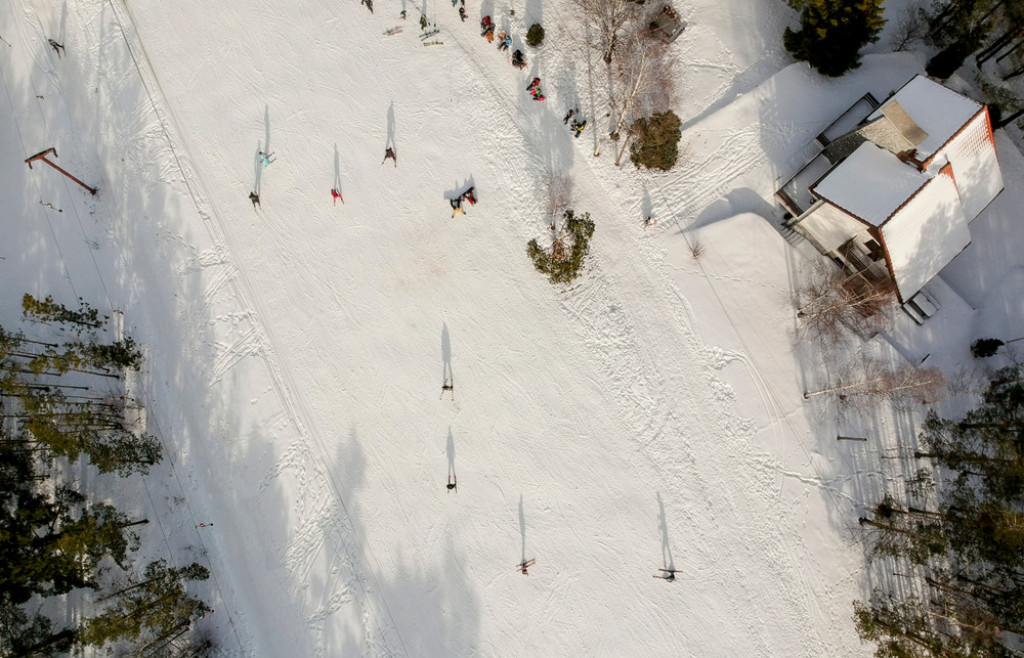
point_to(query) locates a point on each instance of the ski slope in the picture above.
(650, 415)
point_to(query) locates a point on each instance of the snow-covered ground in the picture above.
(648, 416)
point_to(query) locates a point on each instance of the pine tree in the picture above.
(657, 141)
(832, 32)
(157, 605)
(564, 261)
(22, 634)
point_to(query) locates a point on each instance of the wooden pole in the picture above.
(42, 156)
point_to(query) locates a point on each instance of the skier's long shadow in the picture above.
(391, 126)
(337, 169)
(446, 356)
(646, 205)
(451, 456)
(666, 549)
(266, 129)
(258, 163)
(522, 525)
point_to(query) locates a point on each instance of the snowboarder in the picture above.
(57, 47)
(469, 196)
(453, 483)
(456, 209)
(255, 198)
(518, 60)
(577, 127)
(335, 194)
(568, 116)
(462, 14)
(524, 565)
(390, 153)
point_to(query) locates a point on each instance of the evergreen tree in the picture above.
(565, 260)
(657, 141)
(832, 32)
(157, 605)
(977, 575)
(25, 635)
(47, 310)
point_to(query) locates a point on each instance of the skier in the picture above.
(335, 194)
(670, 574)
(255, 198)
(524, 565)
(453, 483)
(423, 21)
(390, 153)
(462, 14)
(568, 116)
(487, 29)
(533, 84)
(368, 3)
(469, 196)
(456, 209)
(649, 221)
(266, 158)
(57, 47)
(402, 14)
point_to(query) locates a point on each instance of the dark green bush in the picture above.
(985, 347)
(563, 270)
(535, 35)
(657, 141)
(947, 61)
(832, 32)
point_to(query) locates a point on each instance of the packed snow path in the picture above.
(298, 350)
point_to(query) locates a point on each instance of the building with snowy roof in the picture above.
(900, 188)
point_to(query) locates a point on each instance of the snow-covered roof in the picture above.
(870, 184)
(925, 235)
(937, 110)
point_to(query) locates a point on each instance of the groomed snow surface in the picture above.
(648, 416)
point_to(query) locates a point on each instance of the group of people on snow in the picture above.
(468, 195)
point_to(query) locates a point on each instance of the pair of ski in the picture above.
(392, 31)
(434, 43)
(429, 33)
(524, 565)
(671, 574)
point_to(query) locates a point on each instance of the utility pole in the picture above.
(42, 156)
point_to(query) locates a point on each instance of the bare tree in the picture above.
(643, 72)
(899, 385)
(833, 302)
(558, 192)
(911, 26)
(609, 17)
